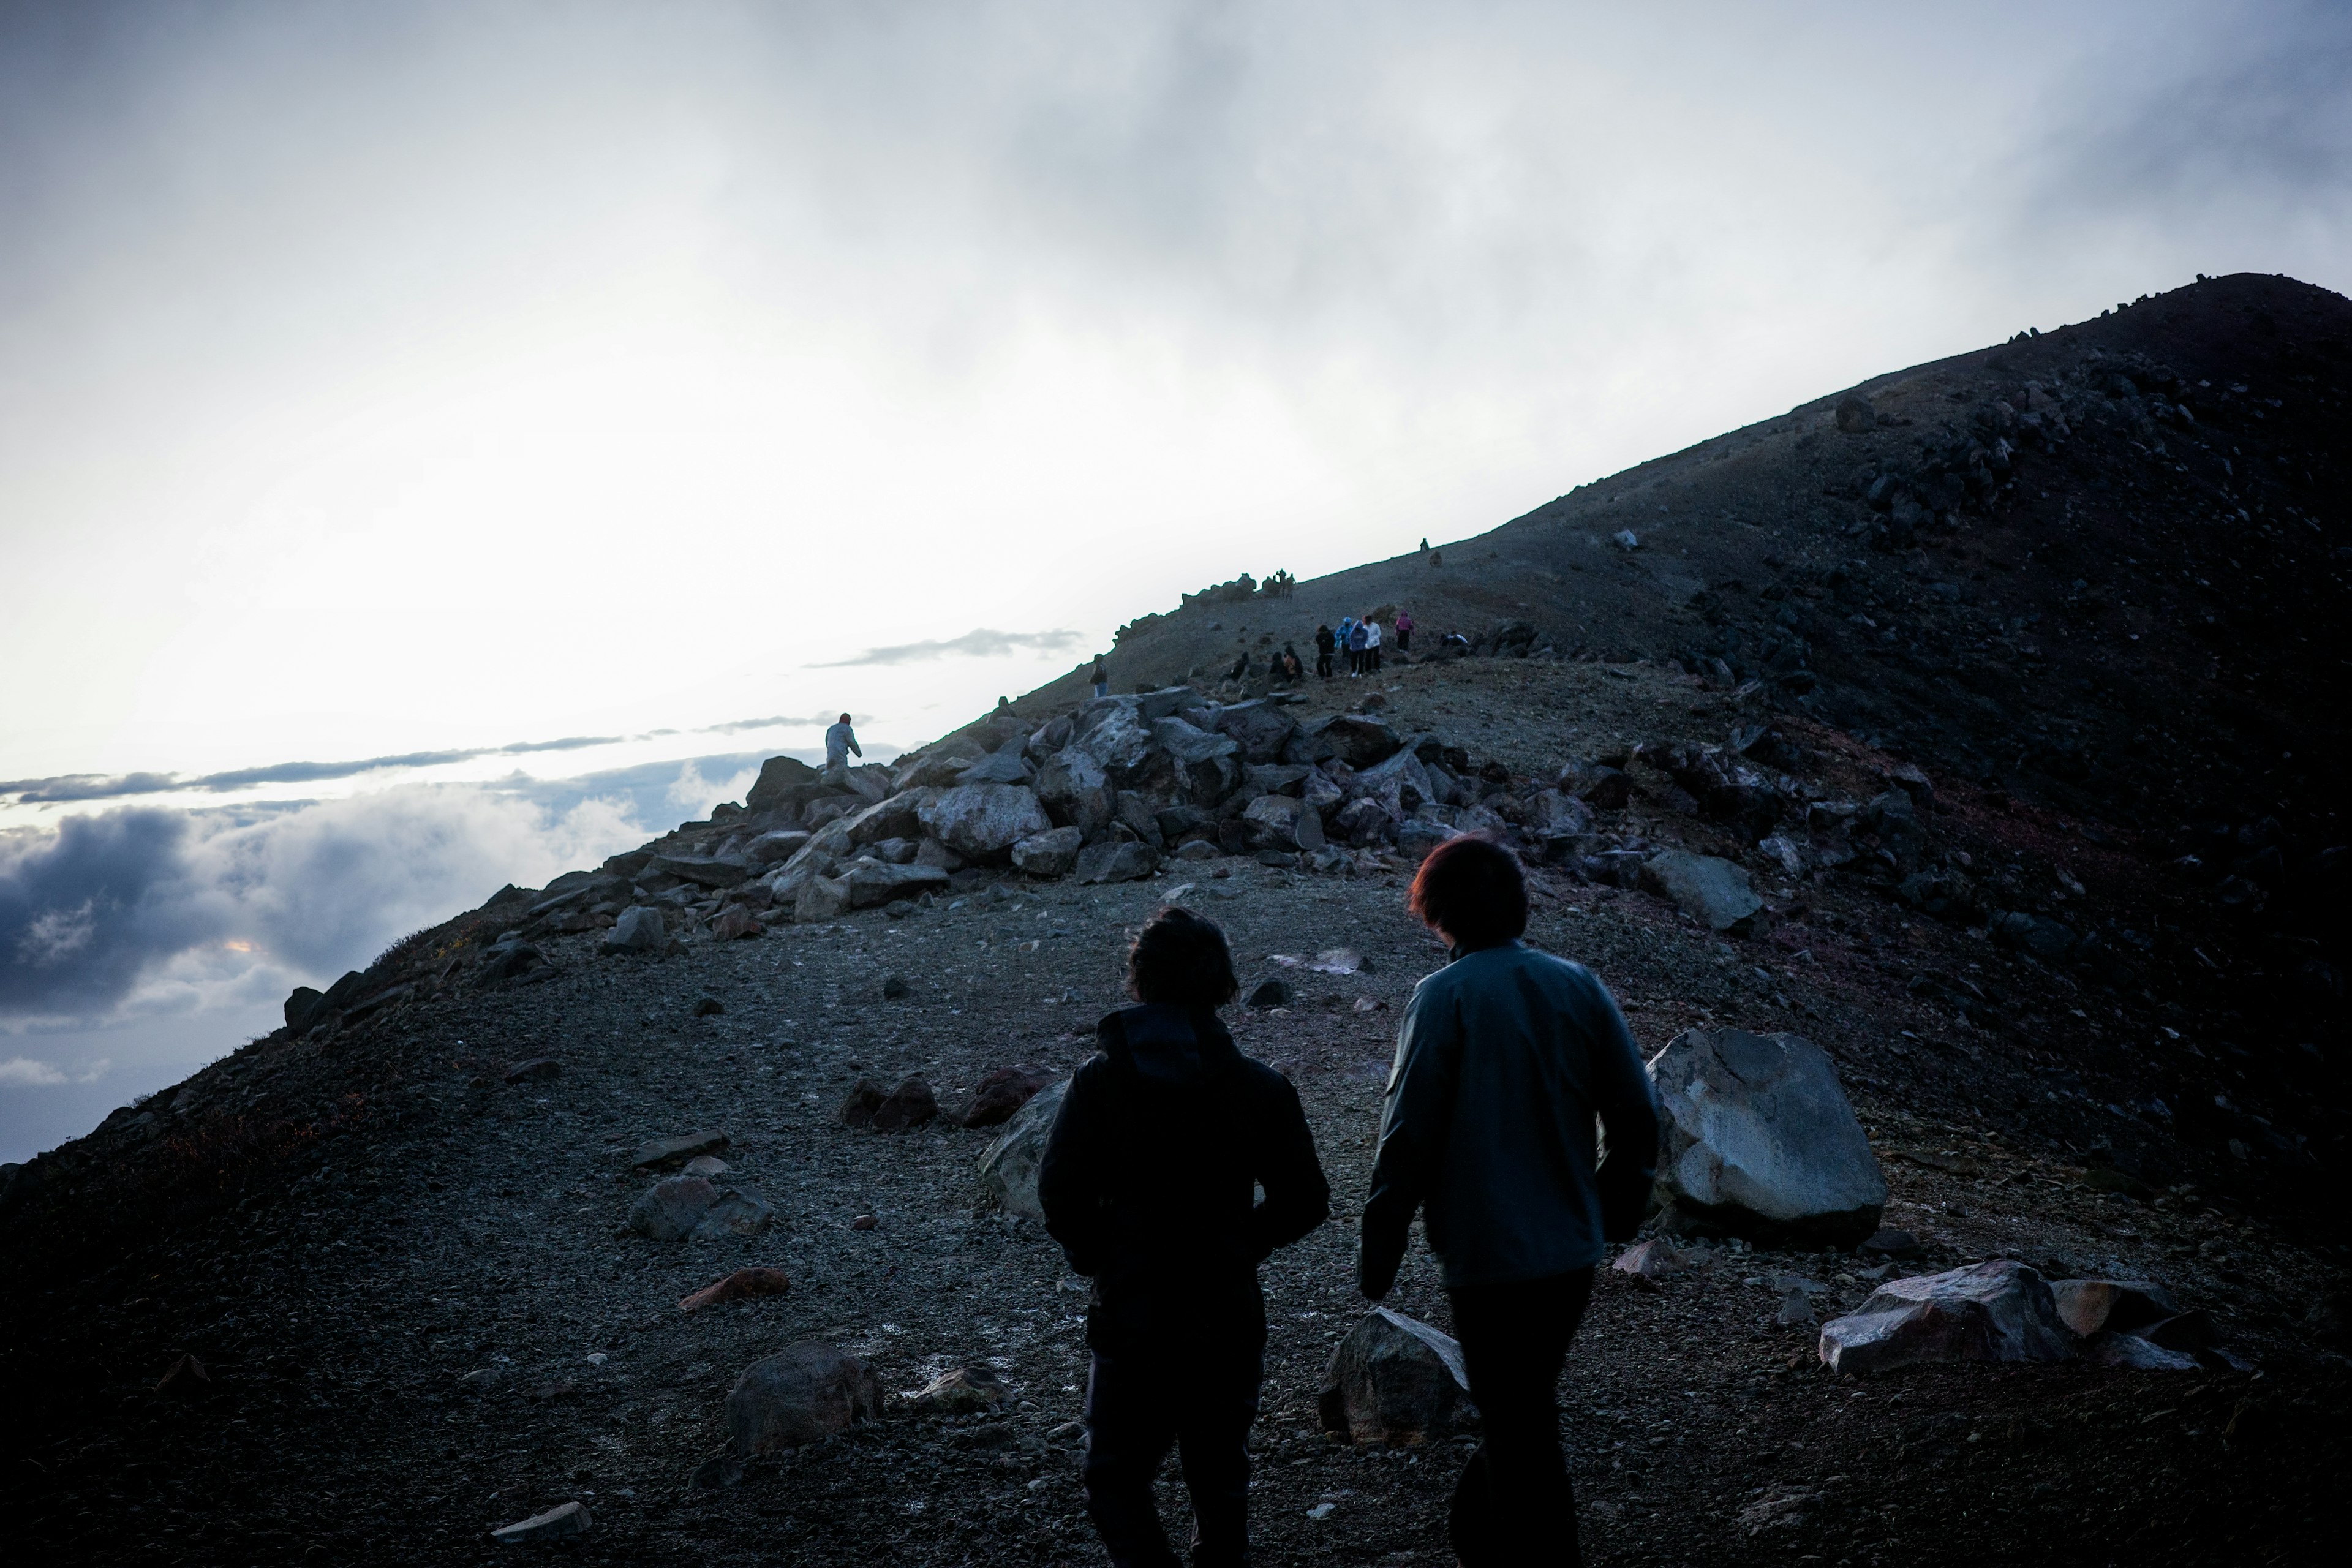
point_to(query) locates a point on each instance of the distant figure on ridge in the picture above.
(839, 743)
(1101, 678)
(1147, 1181)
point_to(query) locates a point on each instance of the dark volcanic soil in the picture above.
(419, 1315)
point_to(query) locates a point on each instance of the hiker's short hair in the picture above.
(845, 718)
(1181, 959)
(1471, 885)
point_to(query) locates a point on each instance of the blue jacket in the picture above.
(1505, 1058)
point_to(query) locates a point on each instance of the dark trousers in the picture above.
(1191, 1386)
(1323, 664)
(1513, 1504)
(1405, 640)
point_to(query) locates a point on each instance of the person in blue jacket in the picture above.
(1504, 1058)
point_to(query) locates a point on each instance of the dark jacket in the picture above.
(1503, 1058)
(1149, 1177)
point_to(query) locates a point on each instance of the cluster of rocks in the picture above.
(2004, 1310)
(1111, 792)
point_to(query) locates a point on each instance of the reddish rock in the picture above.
(741, 1286)
(735, 923)
(911, 1104)
(1003, 1092)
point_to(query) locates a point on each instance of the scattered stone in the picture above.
(864, 1098)
(638, 929)
(909, 1103)
(1796, 1307)
(706, 1165)
(1282, 822)
(734, 1216)
(1760, 1140)
(668, 1151)
(186, 1377)
(1650, 1261)
(1997, 1311)
(1783, 1509)
(896, 989)
(864, 1222)
(1360, 741)
(963, 1391)
(708, 1006)
(1711, 890)
(1054, 854)
(736, 922)
(1610, 789)
(300, 1003)
(702, 871)
(1008, 1167)
(807, 1391)
(1417, 835)
(560, 1523)
(1890, 1243)
(1112, 861)
(537, 1067)
(1271, 994)
(744, 1285)
(672, 1207)
(1855, 414)
(1393, 1379)
(2127, 1306)
(1002, 1093)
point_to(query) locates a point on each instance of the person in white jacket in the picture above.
(1372, 646)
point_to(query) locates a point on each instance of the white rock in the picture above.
(1760, 1140)
(1008, 1167)
(1999, 1311)
(559, 1523)
(983, 820)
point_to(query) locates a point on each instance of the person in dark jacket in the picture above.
(1148, 1182)
(1503, 1058)
(1324, 643)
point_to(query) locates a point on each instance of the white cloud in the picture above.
(24, 1072)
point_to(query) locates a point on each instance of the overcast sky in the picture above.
(444, 387)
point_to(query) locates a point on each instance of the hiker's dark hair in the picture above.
(1181, 959)
(1471, 885)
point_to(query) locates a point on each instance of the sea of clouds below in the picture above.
(138, 943)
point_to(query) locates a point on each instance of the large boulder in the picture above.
(869, 884)
(1008, 1167)
(703, 870)
(1393, 1379)
(998, 767)
(1118, 739)
(1712, 890)
(2127, 1306)
(1402, 784)
(1206, 764)
(820, 899)
(1076, 789)
(984, 820)
(1052, 854)
(1417, 835)
(1116, 861)
(807, 1391)
(1260, 729)
(901, 817)
(778, 775)
(1759, 1141)
(1279, 822)
(1999, 1311)
(638, 930)
(1360, 740)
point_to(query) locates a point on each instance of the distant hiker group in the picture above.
(1507, 1063)
(1361, 641)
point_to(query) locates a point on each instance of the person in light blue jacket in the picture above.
(1504, 1058)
